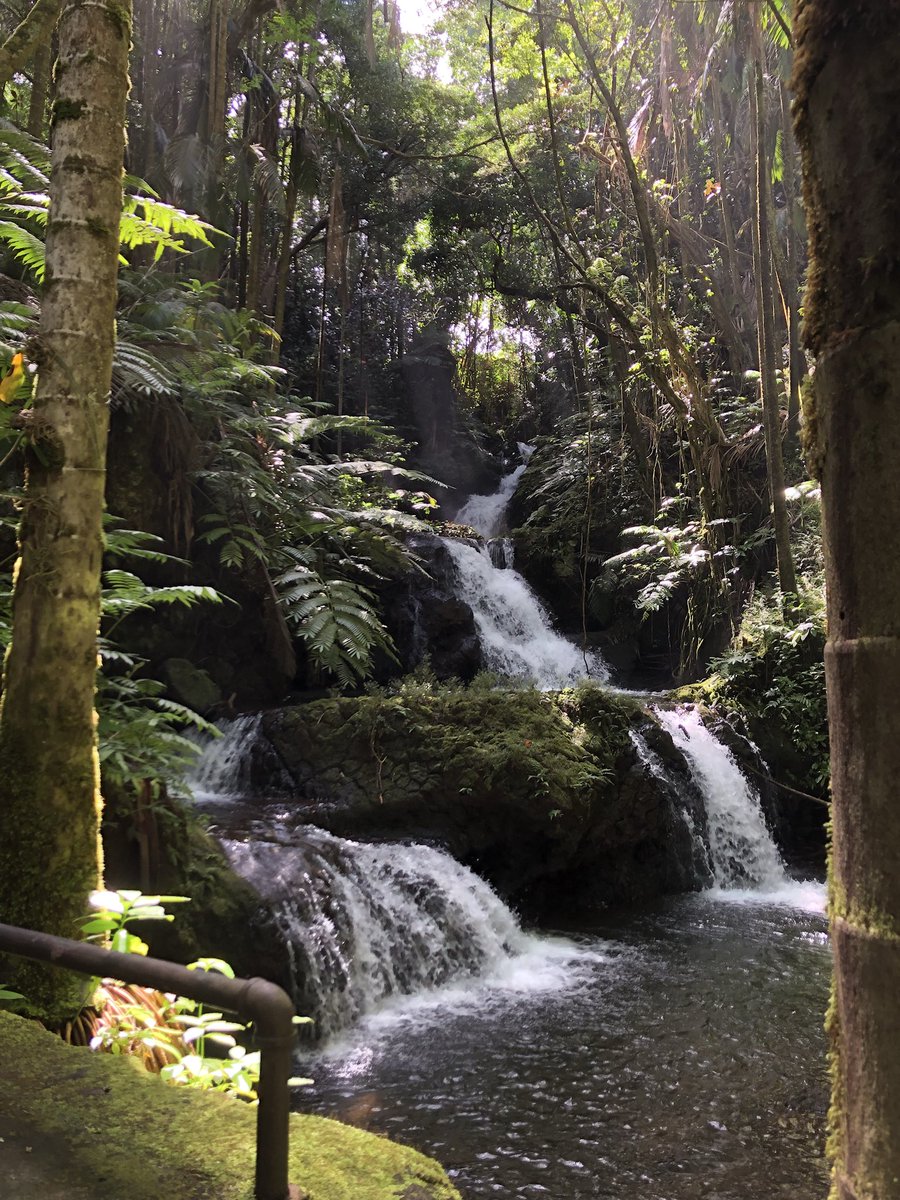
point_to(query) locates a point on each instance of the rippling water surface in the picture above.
(674, 1055)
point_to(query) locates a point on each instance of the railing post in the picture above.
(273, 1014)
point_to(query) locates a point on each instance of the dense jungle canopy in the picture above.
(596, 208)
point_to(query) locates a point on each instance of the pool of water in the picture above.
(672, 1055)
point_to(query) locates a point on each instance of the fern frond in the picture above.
(27, 248)
(267, 178)
(136, 369)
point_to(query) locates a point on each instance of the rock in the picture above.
(446, 447)
(541, 794)
(190, 685)
(426, 619)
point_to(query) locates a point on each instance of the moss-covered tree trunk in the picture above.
(847, 97)
(49, 794)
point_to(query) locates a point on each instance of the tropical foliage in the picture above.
(173, 1036)
(590, 198)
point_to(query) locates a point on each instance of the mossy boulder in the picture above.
(191, 686)
(102, 1128)
(167, 849)
(535, 791)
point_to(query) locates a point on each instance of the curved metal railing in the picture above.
(265, 1004)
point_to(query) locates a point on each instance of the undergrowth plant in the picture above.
(142, 734)
(9, 998)
(176, 1037)
(774, 673)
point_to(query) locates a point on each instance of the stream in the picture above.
(669, 1054)
(676, 1054)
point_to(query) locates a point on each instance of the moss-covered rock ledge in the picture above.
(114, 1132)
(537, 791)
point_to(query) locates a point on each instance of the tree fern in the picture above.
(336, 621)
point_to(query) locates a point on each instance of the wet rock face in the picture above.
(425, 617)
(446, 448)
(544, 796)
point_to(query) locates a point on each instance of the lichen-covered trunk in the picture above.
(847, 96)
(49, 778)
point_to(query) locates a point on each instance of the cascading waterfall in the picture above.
(516, 633)
(363, 924)
(514, 627)
(368, 923)
(232, 765)
(486, 514)
(742, 850)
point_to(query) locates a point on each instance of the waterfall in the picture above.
(517, 637)
(485, 514)
(362, 924)
(238, 763)
(741, 847)
(368, 923)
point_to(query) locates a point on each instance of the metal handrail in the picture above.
(267, 1005)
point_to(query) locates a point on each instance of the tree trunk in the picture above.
(765, 303)
(39, 84)
(847, 96)
(736, 344)
(796, 360)
(49, 776)
(149, 68)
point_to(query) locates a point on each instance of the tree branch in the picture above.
(23, 43)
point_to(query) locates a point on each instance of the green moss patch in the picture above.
(511, 782)
(128, 1134)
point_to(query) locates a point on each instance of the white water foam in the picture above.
(744, 856)
(808, 895)
(546, 966)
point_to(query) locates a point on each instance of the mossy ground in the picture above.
(127, 1134)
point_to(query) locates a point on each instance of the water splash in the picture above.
(742, 850)
(370, 924)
